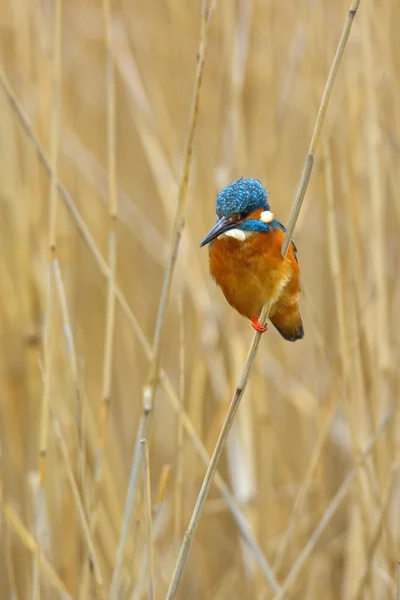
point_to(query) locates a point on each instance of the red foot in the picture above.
(257, 325)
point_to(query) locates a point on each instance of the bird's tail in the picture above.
(289, 324)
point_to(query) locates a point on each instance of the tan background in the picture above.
(265, 70)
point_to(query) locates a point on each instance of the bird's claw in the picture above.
(257, 325)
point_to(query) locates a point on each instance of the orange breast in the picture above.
(253, 272)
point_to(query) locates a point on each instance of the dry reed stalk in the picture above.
(8, 552)
(73, 362)
(379, 252)
(152, 381)
(148, 517)
(332, 508)
(162, 488)
(55, 127)
(82, 503)
(179, 470)
(112, 259)
(138, 578)
(378, 192)
(231, 503)
(185, 548)
(67, 328)
(112, 248)
(368, 383)
(154, 368)
(40, 501)
(318, 125)
(241, 460)
(234, 145)
(12, 581)
(359, 294)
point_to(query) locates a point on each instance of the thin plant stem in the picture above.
(139, 574)
(178, 491)
(152, 381)
(67, 329)
(55, 129)
(40, 503)
(9, 564)
(112, 259)
(318, 126)
(185, 548)
(161, 488)
(72, 359)
(148, 517)
(112, 251)
(338, 277)
(150, 388)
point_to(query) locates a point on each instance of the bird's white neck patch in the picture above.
(238, 234)
(267, 216)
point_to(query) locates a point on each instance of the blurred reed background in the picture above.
(294, 465)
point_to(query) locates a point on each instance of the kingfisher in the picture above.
(246, 261)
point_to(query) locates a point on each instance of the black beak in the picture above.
(223, 224)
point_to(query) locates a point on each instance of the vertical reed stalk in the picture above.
(148, 517)
(40, 500)
(178, 492)
(112, 260)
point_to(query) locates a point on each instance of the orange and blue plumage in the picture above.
(246, 260)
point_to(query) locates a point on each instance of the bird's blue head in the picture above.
(235, 203)
(241, 197)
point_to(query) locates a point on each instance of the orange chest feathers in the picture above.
(252, 271)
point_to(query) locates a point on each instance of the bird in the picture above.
(245, 258)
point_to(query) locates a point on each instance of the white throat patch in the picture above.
(238, 234)
(241, 235)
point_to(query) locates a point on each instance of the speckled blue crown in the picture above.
(240, 196)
